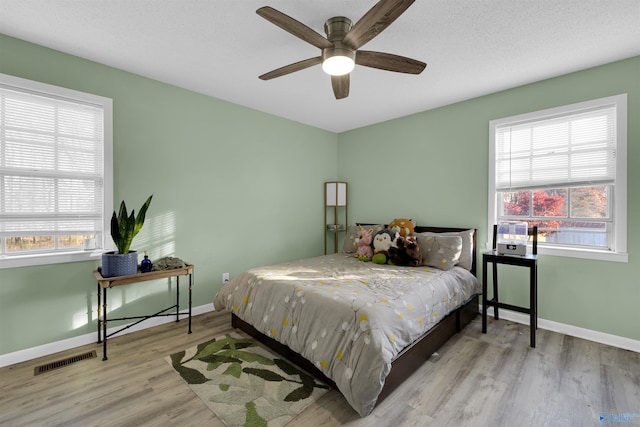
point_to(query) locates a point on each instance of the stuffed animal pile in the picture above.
(393, 245)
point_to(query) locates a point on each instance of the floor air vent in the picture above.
(63, 362)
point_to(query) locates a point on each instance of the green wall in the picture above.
(433, 167)
(233, 188)
(225, 179)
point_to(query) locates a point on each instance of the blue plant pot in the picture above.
(116, 264)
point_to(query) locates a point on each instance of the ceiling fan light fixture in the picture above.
(343, 42)
(338, 61)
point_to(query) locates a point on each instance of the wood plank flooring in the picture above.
(475, 380)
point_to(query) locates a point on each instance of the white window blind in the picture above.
(576, 149)
(52, 171)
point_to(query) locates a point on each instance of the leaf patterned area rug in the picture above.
(245, 384)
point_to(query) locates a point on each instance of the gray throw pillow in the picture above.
(439, 251)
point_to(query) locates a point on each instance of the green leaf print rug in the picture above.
(245, 384)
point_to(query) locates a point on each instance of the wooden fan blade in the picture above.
(294, 27)
(288, 69)
(389, 62)
(340, 86)
(375, 21)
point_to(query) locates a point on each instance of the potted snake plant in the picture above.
(124, 227)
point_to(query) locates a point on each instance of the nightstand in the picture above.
(528, 260)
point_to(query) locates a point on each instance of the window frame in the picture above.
(75, 255)
(619, 216)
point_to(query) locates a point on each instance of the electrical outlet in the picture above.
(225, 278)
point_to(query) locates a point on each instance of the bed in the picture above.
(361, 327)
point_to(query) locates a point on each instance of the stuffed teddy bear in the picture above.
(363, 242)
(382, 241)
(405, 252)
(403, 226)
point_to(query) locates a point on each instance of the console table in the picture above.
(105, 283)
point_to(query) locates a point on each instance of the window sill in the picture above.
(584, 253)
(40, 259)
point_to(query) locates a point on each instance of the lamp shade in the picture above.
(336, 194)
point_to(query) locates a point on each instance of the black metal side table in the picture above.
(528, 260)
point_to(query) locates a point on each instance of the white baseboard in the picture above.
(69, 343)
(574, 331)
(55, 347)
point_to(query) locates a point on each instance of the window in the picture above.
(55, 173)
(564, 170)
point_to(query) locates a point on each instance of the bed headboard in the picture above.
(422, 229)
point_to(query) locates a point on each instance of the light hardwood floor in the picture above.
(475, 380)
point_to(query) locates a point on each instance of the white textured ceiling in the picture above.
(219, 47)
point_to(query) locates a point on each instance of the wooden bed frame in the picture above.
(409, 359)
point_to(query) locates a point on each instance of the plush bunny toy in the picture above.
(363, 242)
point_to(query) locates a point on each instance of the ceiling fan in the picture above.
(340, 49)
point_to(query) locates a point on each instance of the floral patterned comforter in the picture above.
(348, 317)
